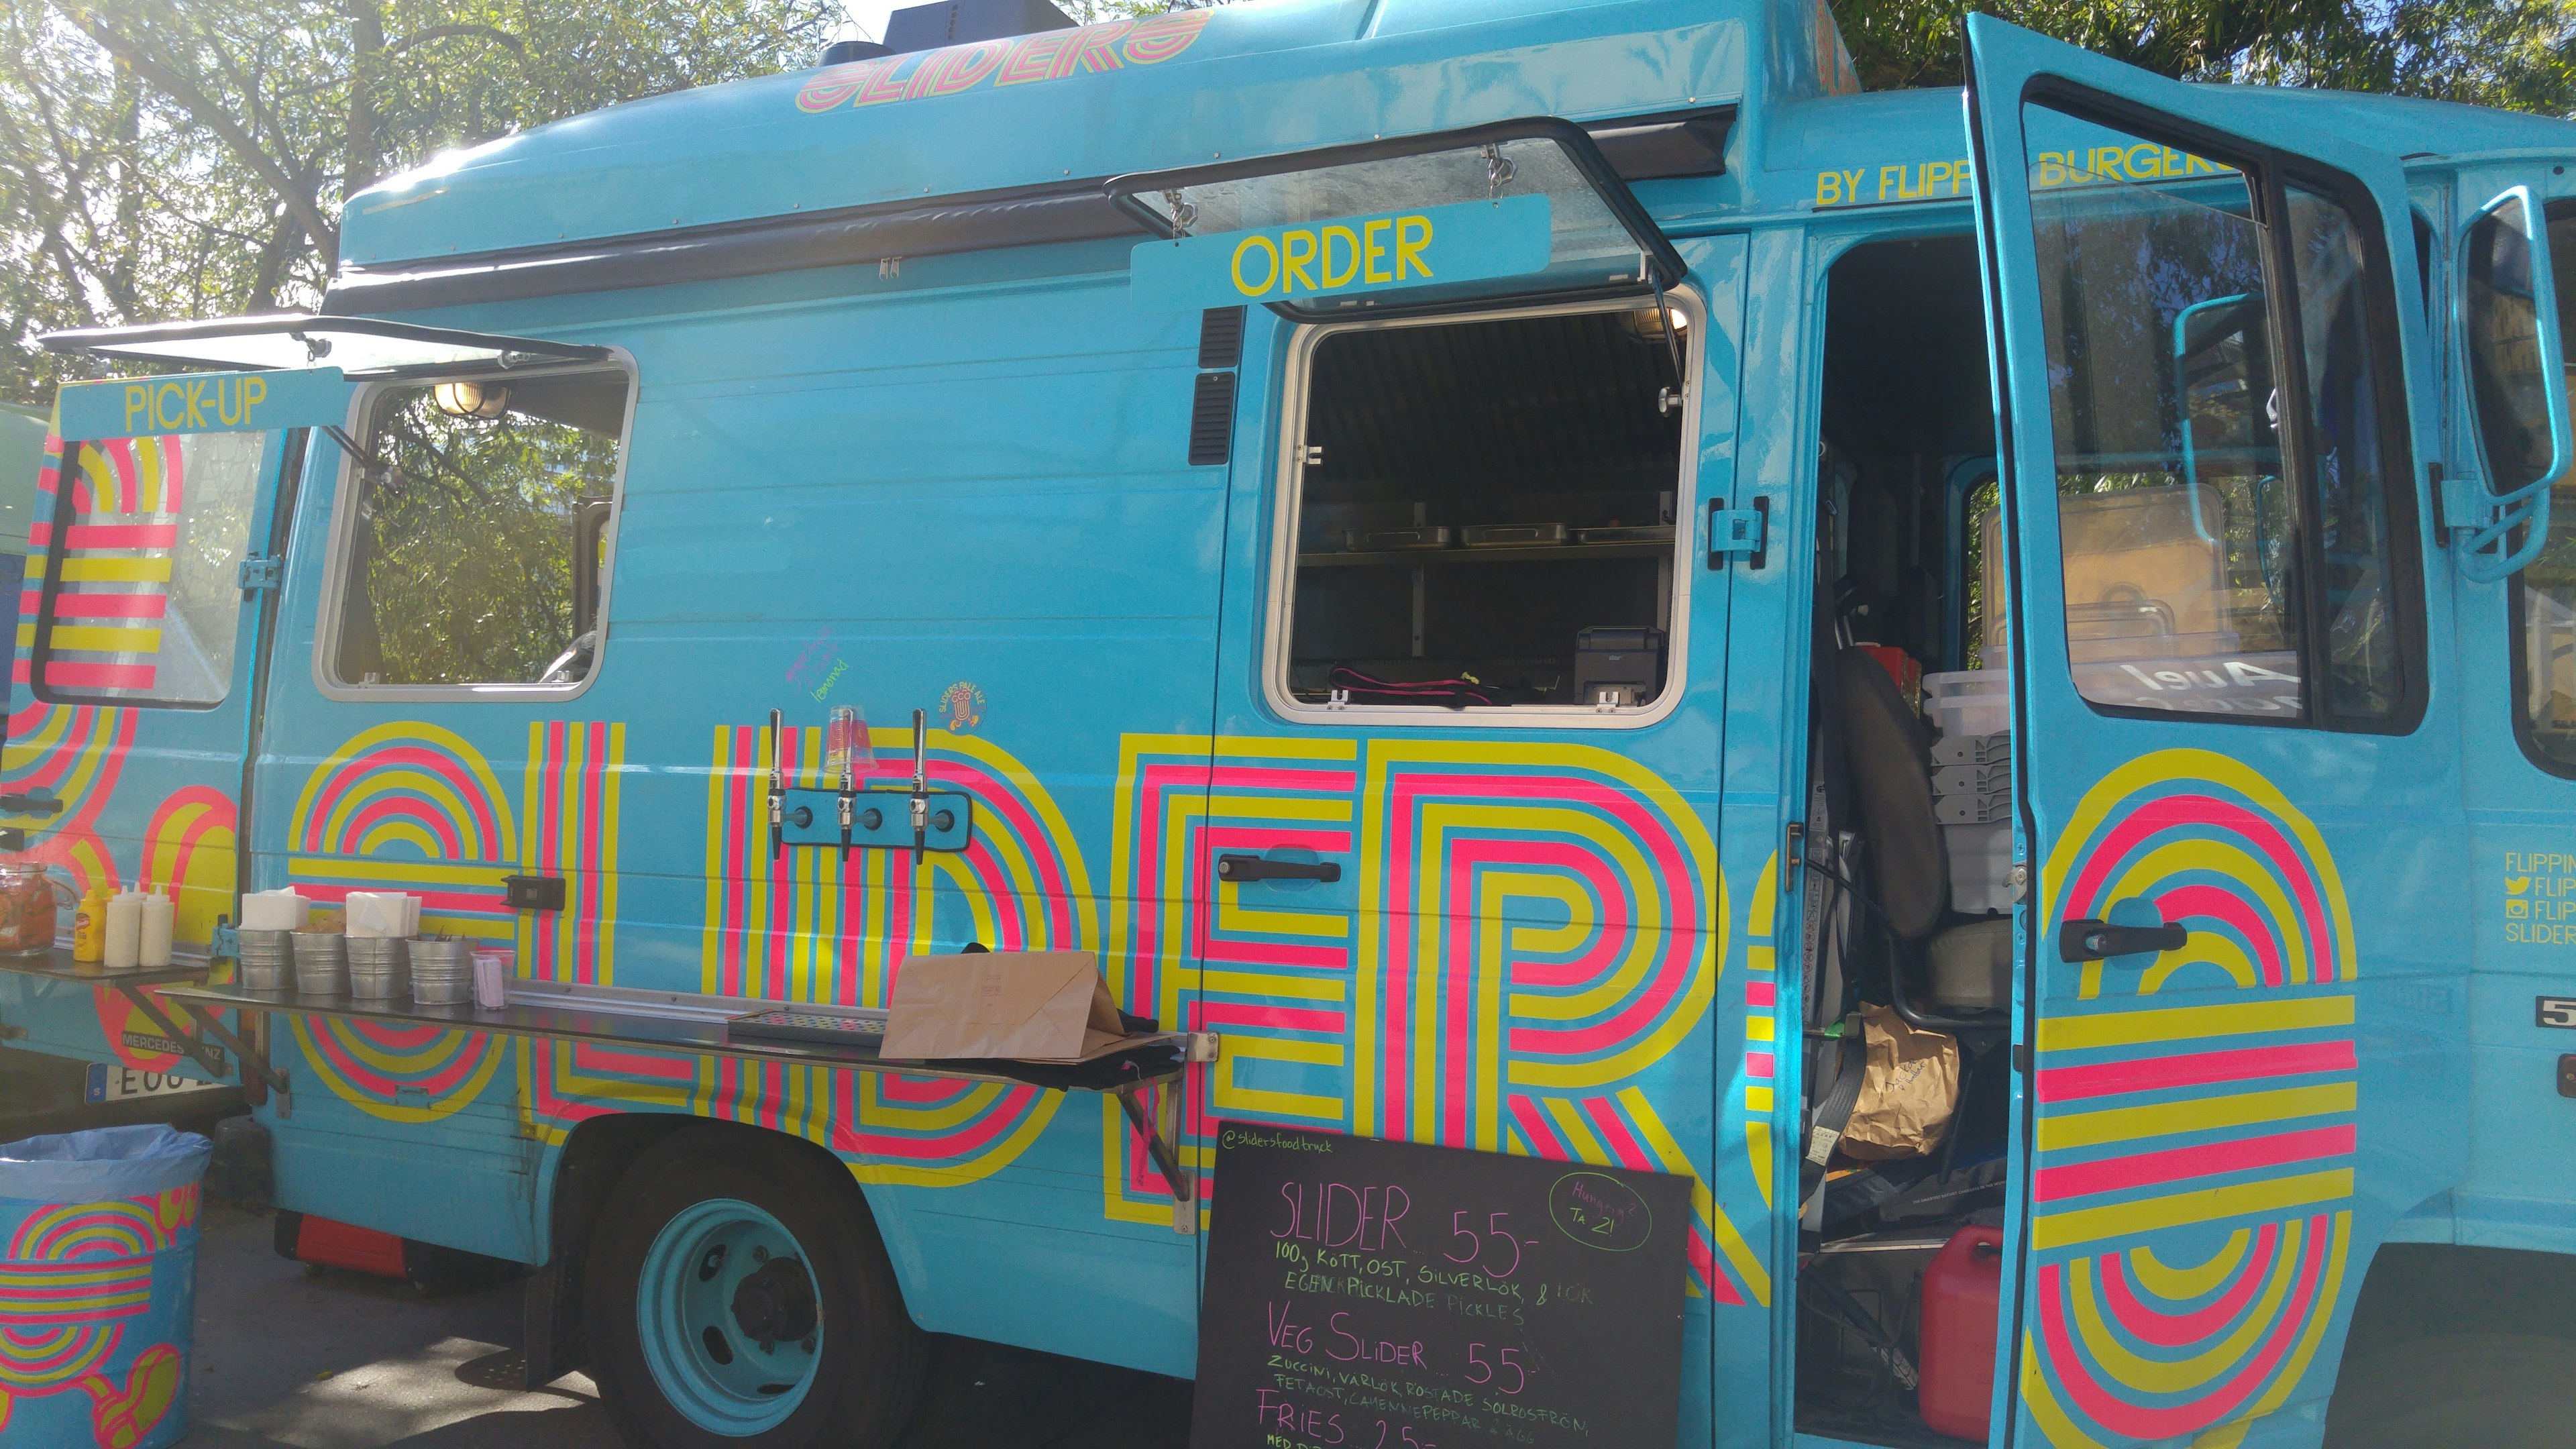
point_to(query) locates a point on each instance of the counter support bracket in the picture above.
(253, 1064)
(1160, 1127)
(190, 1043)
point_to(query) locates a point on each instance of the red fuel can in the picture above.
(1958, 1368)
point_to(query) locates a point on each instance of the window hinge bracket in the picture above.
(2467, 506)
(1738, 532)
(261, 571)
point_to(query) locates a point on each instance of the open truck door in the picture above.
(2215, 418)
(142, 623)
(149, 618)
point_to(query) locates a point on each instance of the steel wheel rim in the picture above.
(707, 1365)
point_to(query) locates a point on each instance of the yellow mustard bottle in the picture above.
(89, 926)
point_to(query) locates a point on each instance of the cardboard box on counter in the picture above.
(1035, 1006)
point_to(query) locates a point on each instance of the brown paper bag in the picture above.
(1038, 1006)
(1908, 1089)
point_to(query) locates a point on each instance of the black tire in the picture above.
(870, 1359)
(2472, 1391)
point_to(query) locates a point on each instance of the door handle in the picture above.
(1254, 867)
(2100, 940)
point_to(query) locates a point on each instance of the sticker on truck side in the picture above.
(2558, 1011)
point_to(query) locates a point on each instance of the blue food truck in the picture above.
(1990, 677)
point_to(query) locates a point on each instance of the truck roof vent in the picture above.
(962, 22)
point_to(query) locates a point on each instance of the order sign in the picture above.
(1471, 241)
(1382, 1295)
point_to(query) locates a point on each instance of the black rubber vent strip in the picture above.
(1212, 420)
(1220, 338)
(1067, 212)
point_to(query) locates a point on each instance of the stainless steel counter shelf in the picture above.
(678, 1022)
(58, 965)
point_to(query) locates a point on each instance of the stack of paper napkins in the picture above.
(274, 911)
(383, 914)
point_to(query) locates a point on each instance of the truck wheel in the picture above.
(737, 1294)
(2493, 1390)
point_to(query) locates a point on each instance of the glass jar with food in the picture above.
(29, 900)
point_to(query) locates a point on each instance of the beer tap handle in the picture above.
(920, 783)
(850, 748)
(777, 780)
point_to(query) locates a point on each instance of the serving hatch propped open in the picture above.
(363, 349)
(1537, 210)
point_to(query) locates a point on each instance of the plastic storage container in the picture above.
(1972, 708)
(1969, 701)
(1958, 1360)
(1980, 866)
(98, 1283)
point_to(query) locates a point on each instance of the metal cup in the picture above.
(442, 971)
(442, 990)
(264, 958)
(376, 950)
(379, 967)
(321, 963)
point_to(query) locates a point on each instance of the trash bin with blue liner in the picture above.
(98, 1286)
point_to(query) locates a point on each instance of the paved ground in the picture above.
(341, 1361)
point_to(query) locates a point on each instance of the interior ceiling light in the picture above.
(478, 400)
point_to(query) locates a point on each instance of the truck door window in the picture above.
(472, 547)
(2502, 316)
(1483, 517)
(2210, 566)
(144, 601)
(2366, 674)
(2515, 437)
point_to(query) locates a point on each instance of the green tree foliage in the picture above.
(463, 567)
(2516, 53)
(1091, 12)
(181, 158)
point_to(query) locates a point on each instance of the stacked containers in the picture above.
(265, 958)
(1972, 782)
(321, 963)
(442, 971)
(379, 967)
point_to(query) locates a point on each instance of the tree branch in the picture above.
(360, 136)
(305, 206)
(493, 33)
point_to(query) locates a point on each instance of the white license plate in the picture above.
(117, 1084)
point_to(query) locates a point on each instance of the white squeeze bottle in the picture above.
(158, 911)
(124, 931)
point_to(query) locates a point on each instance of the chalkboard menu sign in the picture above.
(1383, 1295)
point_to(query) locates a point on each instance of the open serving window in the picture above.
(1526, 208)
(1481, 516)
(1485, 484)
(362, 349)
(470, 543)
